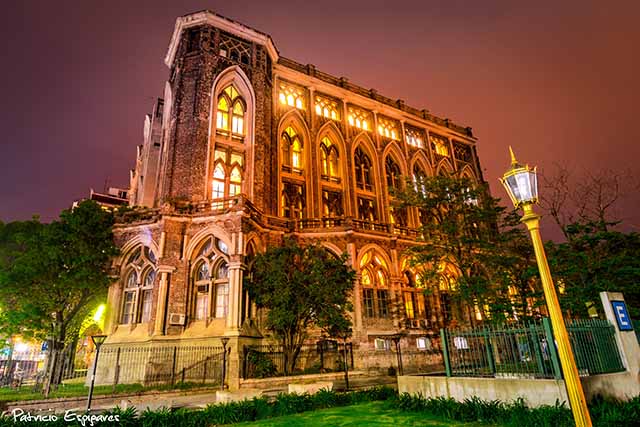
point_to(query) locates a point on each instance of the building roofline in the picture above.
(218, 21)
(398, 104)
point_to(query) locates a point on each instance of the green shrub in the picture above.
(264, 367)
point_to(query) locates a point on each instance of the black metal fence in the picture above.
(160, 365)
(264, 361)
(528, 350)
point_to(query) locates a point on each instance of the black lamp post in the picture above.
(396, 340)
(224, 340)
(98, 340)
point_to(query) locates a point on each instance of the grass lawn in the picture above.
(366, 414)
(76, 389)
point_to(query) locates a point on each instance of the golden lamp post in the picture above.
(522, 186)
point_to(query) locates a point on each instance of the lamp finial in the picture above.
(514, 162)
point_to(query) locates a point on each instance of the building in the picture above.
(113, 198)
(248, 146)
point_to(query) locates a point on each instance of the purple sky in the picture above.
(559, 82)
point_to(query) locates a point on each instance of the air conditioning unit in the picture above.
(176, 319)
(424, 323)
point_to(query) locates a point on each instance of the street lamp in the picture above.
(98, 340)
(522, 186)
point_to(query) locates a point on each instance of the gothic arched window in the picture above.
(230, 103)
(138, 280)
(393, 173)
(374, 278)
(291, 150)
(210, 281)
(363, 170)
(330, 160)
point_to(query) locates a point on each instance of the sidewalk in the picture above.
(198, 398)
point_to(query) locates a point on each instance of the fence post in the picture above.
(173, 368)
(445, 352)
(487, 346)
(116, 371)
(533, 330)
(551, 347)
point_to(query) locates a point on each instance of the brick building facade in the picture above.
(246, 147)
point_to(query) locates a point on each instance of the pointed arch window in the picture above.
(230, 104)
(374, 280)
(393, 173)
(210, 281)
(363, 166)
(291, 151)
(235, 181)
(219, 177)
(138, 282)
(224, 183)
(330, 160)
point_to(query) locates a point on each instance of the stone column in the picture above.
(113, 307)
(235, 298)
(161, 306)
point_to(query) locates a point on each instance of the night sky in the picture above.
(558, 82)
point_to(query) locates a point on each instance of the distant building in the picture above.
(112, 199)
(247, 147)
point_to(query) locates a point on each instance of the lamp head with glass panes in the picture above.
(521, 183)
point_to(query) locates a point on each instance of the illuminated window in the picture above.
(363, 165)
(359, 118)
(223, 113)
(419, 178)
(409, 305)
(414, 137)
(226, 184)
(230, 103)
(235, 182)
(329, 154)
(291, 150)
(211, 281)
(439, 144)
(388, 128)
(328, 108)
(374, 278)
(138, 286)
(238, 118)
(218, 182)
(291, 95)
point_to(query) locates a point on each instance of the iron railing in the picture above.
(160, 365)
(527, 350)
(265, 361)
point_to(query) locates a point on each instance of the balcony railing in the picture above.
(242, 203)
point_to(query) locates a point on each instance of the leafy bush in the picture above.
(263, 366)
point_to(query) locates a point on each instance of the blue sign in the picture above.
(622, 316)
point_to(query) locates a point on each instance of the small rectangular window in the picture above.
(383, 303)
(382, 344)
(222, 300)
(127, 309)
(367, 295)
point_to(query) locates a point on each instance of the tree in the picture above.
(53, 275)
(301, 288)
(595, 260)
(591, 198)
(464, 227)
